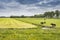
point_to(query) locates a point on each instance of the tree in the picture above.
(57, 13)
(22, 16)
(49, 14)
(52, 14)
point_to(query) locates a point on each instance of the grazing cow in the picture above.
(53, 25)
(43, 22)
(48, 27)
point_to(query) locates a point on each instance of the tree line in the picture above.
(48, 14)
(52, 14)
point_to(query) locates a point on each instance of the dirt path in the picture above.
(12, 23)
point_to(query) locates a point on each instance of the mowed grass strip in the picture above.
(12, 23)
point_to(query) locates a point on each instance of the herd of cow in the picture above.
(44, 26)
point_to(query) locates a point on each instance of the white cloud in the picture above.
(45, 1)
(15, 8)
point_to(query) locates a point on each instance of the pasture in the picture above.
(27, 29)
(37, 21)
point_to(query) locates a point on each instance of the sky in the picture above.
(27, 7)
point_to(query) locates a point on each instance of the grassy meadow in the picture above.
(28, 29)
(37, 21)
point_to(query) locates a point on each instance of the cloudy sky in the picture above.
(27, 7)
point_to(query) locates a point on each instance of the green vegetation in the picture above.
(29, 33)
(38, 20)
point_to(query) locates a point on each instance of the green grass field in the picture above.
(38, 20)
(24, 29)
